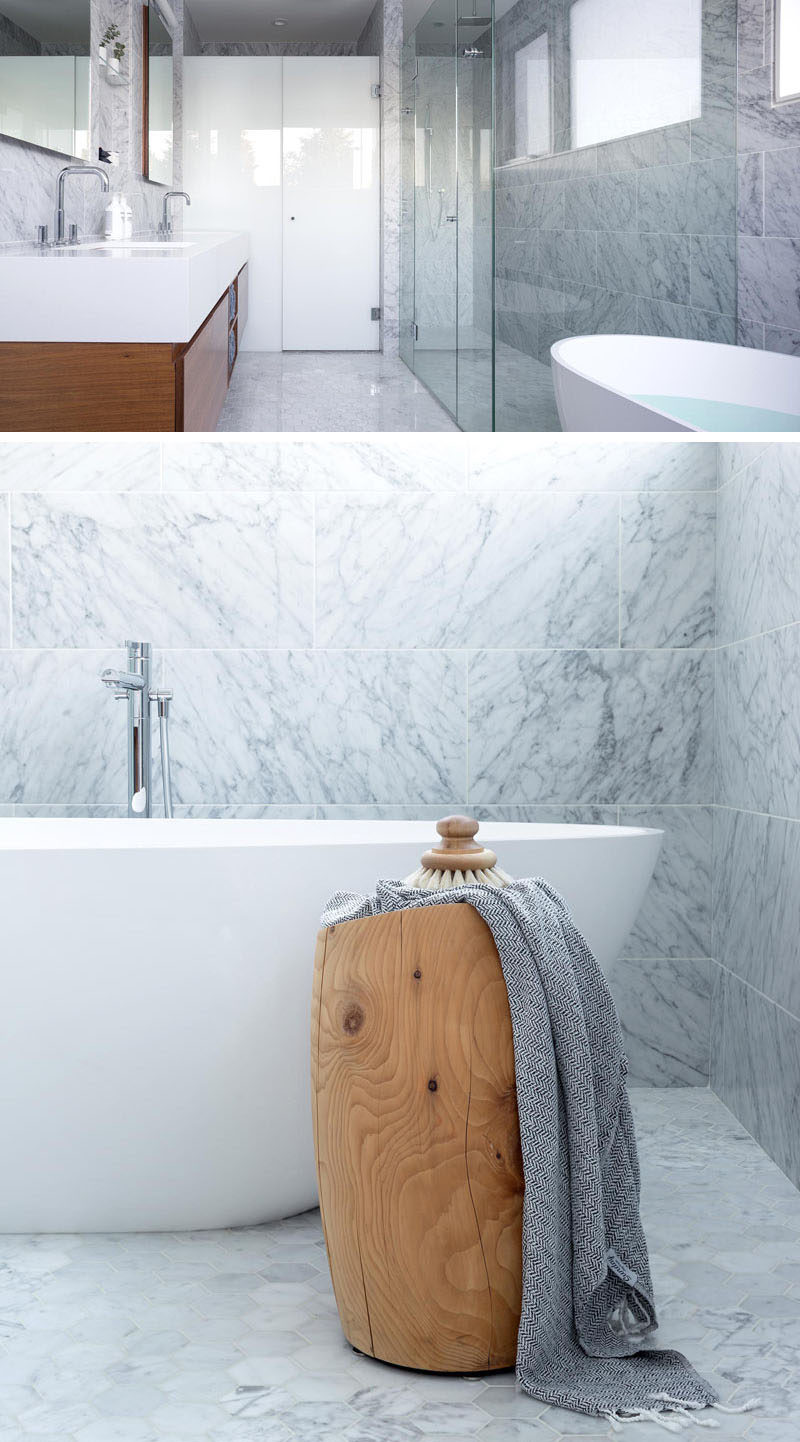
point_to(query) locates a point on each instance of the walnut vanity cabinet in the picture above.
(111, 387)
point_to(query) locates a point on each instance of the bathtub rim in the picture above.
(772, 361)
(119, 833)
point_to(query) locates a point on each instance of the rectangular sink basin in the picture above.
(135, 245)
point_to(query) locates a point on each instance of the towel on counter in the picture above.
(587, 1304)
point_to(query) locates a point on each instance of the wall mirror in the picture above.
(157, 137)
(44, 74)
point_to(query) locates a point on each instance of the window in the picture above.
(532, 98)
(634, 65)
(787, 49)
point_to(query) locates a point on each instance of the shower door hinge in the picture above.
(375, 91)
(414, 330)
(375, 313)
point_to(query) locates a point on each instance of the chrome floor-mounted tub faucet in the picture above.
(133, 686)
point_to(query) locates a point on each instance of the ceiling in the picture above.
(322, 20)
(60, 22)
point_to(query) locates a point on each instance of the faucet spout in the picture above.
(165, 227)
(61, 228)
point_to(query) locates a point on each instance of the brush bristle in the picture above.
(428, 880)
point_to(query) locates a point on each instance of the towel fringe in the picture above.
(744, 1406)
(669, 1422)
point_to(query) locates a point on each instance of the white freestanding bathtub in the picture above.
(154, 1033)
(654, 383)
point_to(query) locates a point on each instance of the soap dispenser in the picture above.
(112, 226)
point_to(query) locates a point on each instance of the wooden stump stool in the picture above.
(417, 1138)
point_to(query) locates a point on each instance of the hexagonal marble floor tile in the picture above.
(233, 1336)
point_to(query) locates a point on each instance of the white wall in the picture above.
(287, 149)
(233, 109)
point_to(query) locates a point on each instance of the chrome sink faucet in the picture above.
(133, 686)
(61, 237)
(165, 228)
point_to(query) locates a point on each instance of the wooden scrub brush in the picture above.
(459, 860)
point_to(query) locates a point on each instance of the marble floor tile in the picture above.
(726, 1258)
(331, 391)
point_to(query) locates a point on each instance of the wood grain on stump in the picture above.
(417, 1138)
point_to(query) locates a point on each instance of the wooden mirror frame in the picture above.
(146, 91)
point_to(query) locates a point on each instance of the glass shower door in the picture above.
(436, 205)
(447, 208)
(475, 319)
(408, 86)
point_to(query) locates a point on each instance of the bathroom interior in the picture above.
(468, 215)
(240, 675)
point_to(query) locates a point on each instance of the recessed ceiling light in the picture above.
(280, 22)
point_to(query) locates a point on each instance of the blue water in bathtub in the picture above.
(722, 415)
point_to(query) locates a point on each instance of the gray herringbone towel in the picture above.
(587, 1295)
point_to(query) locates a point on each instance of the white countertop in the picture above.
(140, 291)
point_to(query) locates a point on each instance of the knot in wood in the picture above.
(433, 1085)
(353, 1019)
(417, 974)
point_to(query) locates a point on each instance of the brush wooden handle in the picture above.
(458, 850)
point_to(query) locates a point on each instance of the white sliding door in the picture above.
(232, 170)
(331, 203)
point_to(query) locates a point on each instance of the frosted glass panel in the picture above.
(634, 65)
(532, 97)
(787, 50)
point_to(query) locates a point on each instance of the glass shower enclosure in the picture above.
(447, 222)
(569, 167)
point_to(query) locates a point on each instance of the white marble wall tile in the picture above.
(758, 724)
(733, 456)
(591, 726)
(554, 815)
(28, 186)
(761, 1072)
(757, 902)
(527, 464)
(508, 571)
(675, 919)
(321, 727)
(395, 812)
(62, 736)
(5, 594)
(716, 1060)
(106, 813)
(417, 463)
(667, 569)
(215, 812)
(758, 575)
(665, 1010)
(92, 570)
(83, 465)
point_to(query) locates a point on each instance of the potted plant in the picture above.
(115, 61)
(111, 34)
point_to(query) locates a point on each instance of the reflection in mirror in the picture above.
(44, 74)
(787, 50)
(158, 133)
(573, 73)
